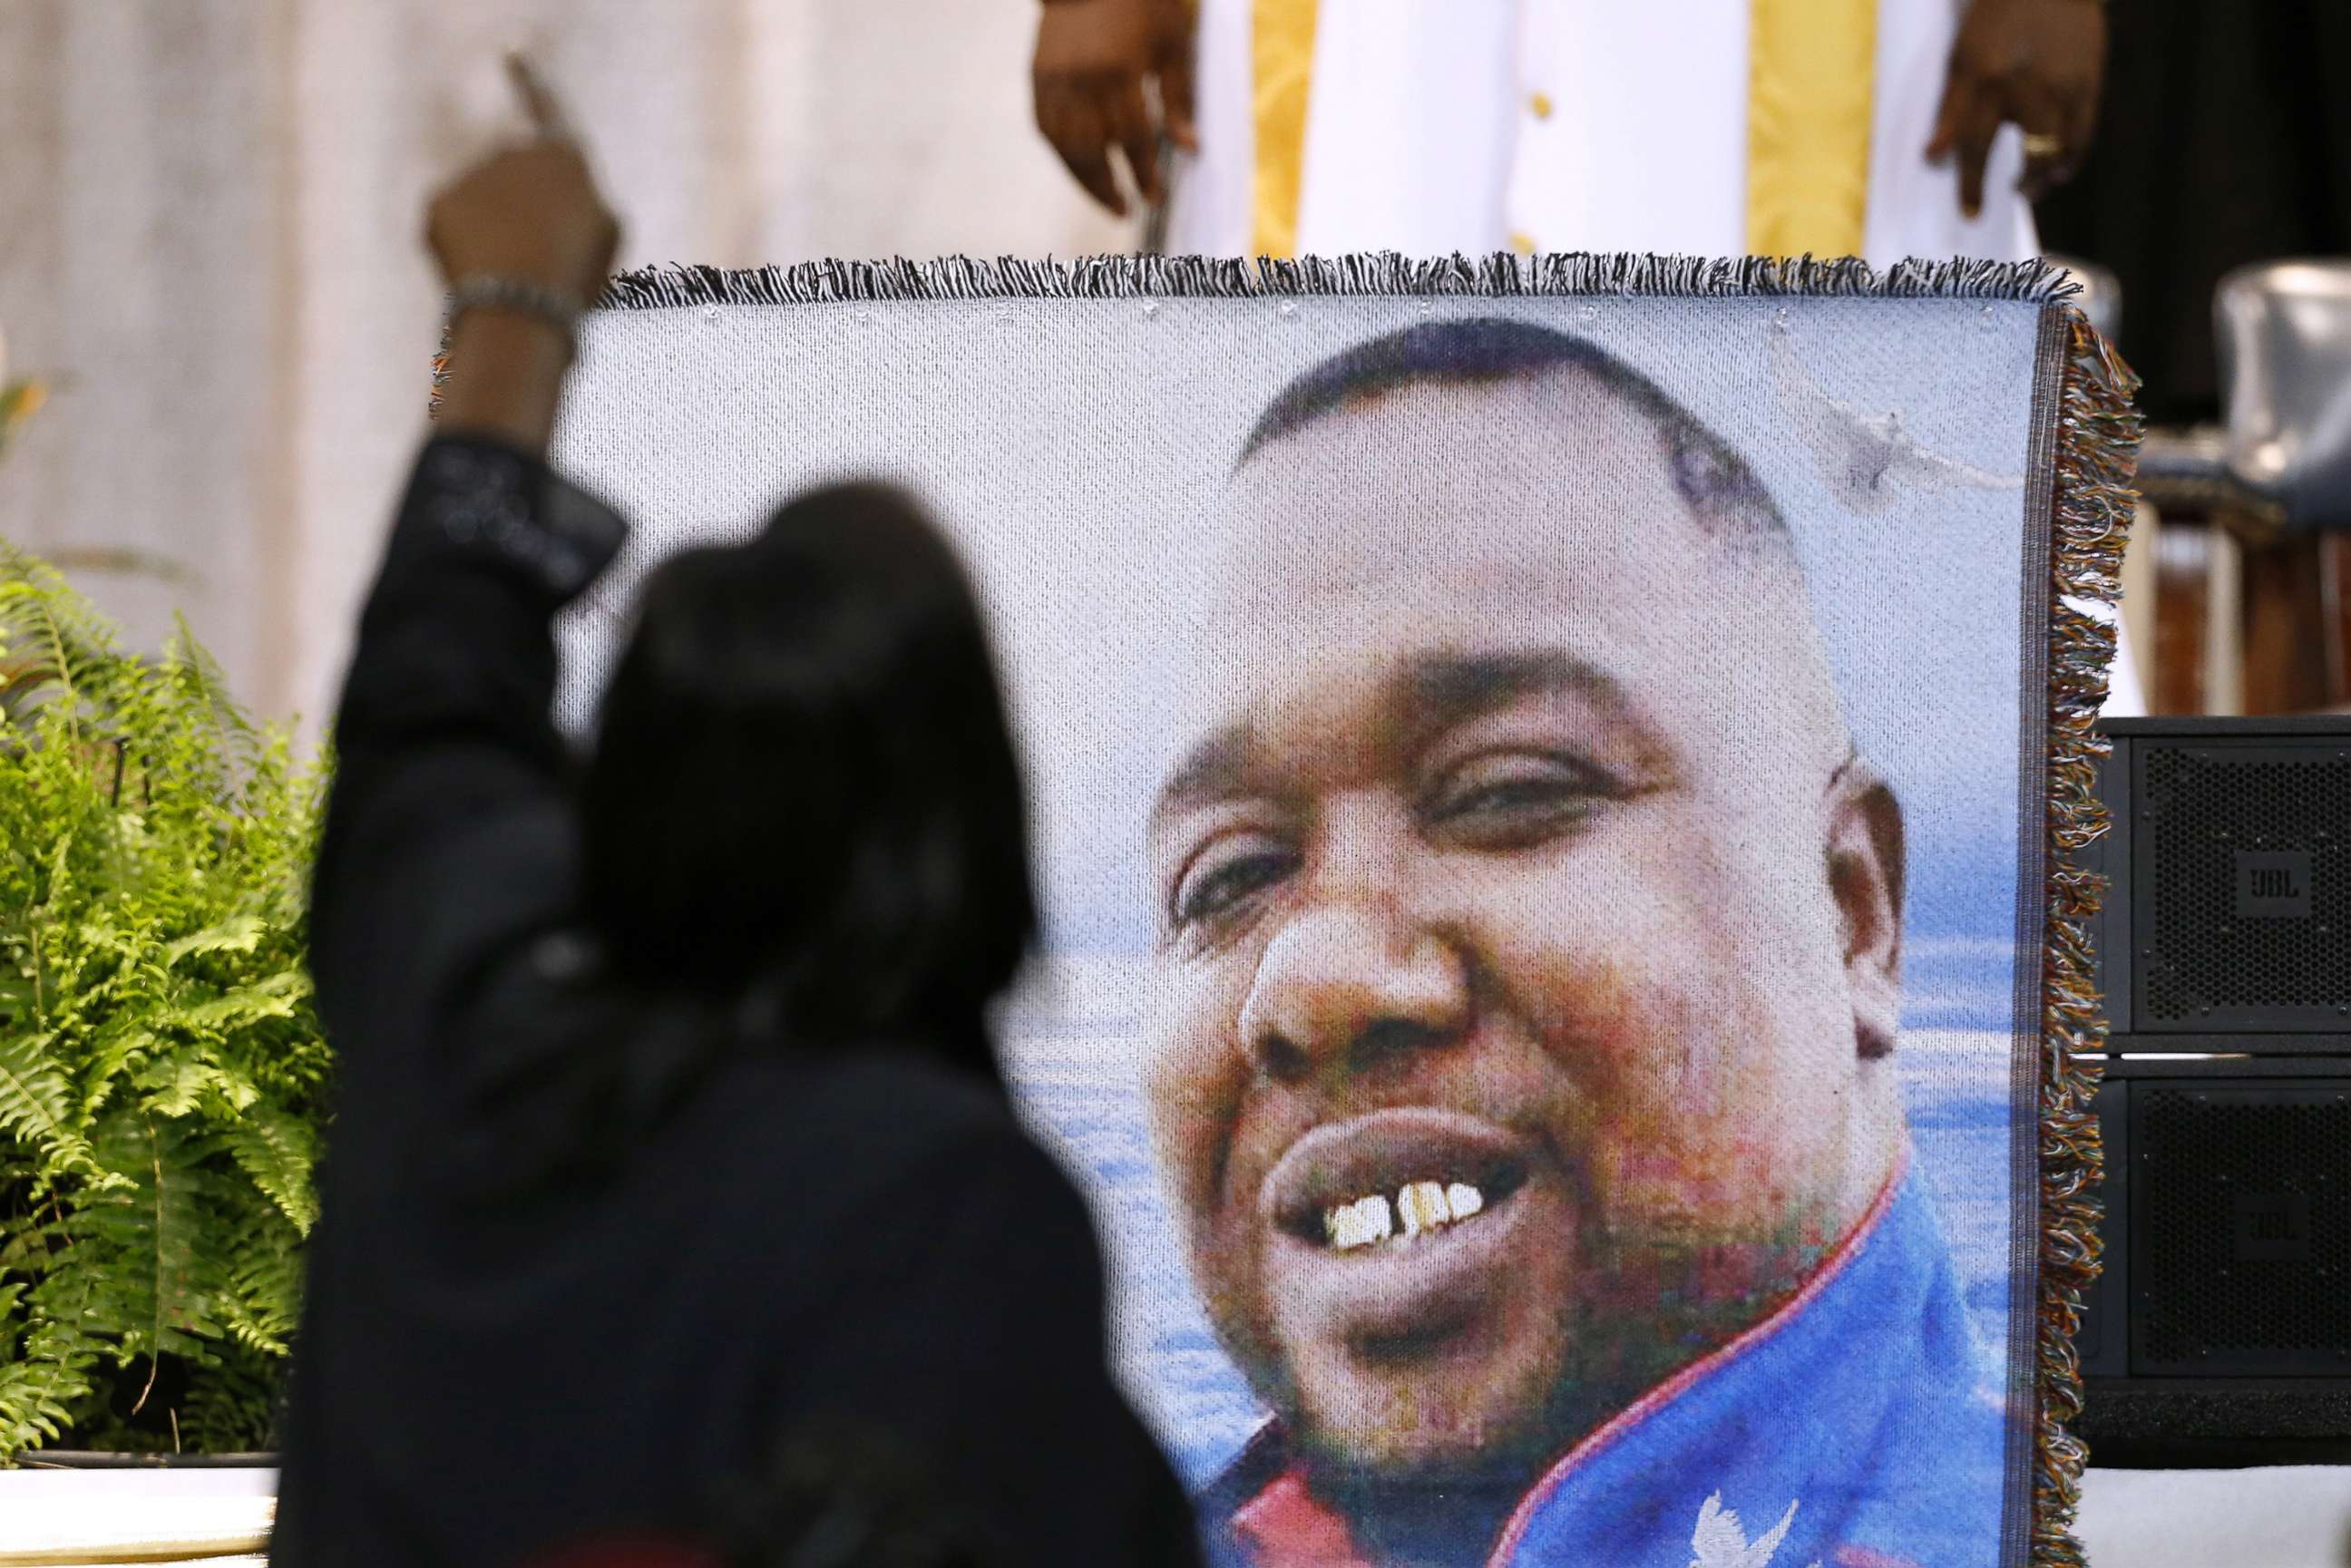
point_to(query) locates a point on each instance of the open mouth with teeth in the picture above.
(1391, 1179)
(1415, 1210)
(1399, 1234)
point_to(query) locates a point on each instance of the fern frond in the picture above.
(53, 639)
(175, 1086)
(274, 998)
(45, 1365)
(240, 933)
(278, 1152)
(166, 1276)
(113, 1052)
(232, 1407)
(36, 1396)
(236, 740)
(266, 1280)
(37, 1104)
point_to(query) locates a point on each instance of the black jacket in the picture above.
(588, 1259)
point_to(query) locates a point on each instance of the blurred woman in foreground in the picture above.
(669, 1130)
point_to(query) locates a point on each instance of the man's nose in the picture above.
(1349, 988)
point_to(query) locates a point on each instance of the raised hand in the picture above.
(531, 211)
(2038, 63)
(1094, 60)
(529, 217)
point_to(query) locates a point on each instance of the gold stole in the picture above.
(1811, 66)
(1281, 64)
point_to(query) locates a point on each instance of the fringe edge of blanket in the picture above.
(2097, 444)
(1502, 275)
(2097, 448)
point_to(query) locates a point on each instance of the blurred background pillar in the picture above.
(208, 215)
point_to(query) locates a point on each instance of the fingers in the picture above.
(1946, 118)
(538, 100)
(1176, 91)
(1087, 119)
(1087, 122)
(2047, 149)
(2078, 114)
(531, 211)
(1974, 153)
(1131, 129)
(2037, 64)
(1095, 67)
(1972, 119)
(2043, 171)
(2074, 70)
(1073, 124)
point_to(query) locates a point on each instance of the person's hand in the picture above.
(2038, 63)
(1093, 58)
(530, 214)
(531, 211)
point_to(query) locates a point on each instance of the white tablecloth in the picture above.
(2289, 1517)
(214, 1518)
(2286, 1516)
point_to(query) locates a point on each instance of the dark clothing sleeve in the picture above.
(980, 1338)
(447, 838)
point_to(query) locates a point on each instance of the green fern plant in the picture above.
(162, 1075)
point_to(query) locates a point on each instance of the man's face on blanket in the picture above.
(1522, 946)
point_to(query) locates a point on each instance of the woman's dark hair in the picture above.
(804, 788)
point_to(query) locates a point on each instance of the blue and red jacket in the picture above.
(1857, 1426)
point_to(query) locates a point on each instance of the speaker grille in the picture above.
(2245, 867)
(2240, 1230)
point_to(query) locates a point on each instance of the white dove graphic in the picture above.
(1865, 459)
(1721, 1543)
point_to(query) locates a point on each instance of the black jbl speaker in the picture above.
(2231, 856)
(2220, 1331)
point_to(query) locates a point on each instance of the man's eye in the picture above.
(1220, 881)
(1504, 797)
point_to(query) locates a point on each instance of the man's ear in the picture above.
(1865, 875)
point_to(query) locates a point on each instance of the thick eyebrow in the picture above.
(1434, 693)
(1441, 691)
(1212, 770)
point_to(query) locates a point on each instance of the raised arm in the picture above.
(446, 809)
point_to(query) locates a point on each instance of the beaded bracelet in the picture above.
(560, 309)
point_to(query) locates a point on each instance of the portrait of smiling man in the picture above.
(1526, 996)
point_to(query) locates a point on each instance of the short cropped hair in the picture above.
(1723, 493)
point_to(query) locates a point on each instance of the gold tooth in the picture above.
(1422, 1207)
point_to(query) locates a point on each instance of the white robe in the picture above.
(1424, 133)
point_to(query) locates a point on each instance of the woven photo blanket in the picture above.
(1552, 781)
